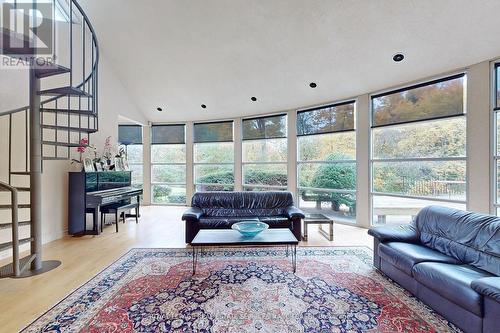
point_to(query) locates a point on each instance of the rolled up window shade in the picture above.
(326, 119)
(497, 86)
(213, 132)
(168, 134)
(130, 134)
(270, 127)
(430, 100)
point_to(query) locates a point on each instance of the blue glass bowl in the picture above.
(250, 228)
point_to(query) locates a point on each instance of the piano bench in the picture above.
(119, 209)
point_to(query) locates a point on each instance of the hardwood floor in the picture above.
(23, 300)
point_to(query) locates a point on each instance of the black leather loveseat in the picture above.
(449, 259)
(219, 210)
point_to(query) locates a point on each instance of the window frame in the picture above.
(196, 164)
(300, 162)
(495, 115)
(130, 163)
(153, 164)
(373, 160)
(251, 187)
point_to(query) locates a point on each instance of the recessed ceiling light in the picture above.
(254, 99)
(203, 106)
(313, 85)
(398, 57)
(159, 109)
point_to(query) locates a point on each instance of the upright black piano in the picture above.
(88, 191)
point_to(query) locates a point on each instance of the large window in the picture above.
(496, 111)
(214, 156)
(265, 153)
(326, 166)
(168, 164)
(418, 149)
(130, 136)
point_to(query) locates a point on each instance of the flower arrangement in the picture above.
(107, 152)
(82, 149)
(101, 162)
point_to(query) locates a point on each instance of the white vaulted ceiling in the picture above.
(179, 54)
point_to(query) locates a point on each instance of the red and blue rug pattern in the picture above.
(241, 290)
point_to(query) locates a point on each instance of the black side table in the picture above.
(318, 219)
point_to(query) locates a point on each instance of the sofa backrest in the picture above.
(242, 204)
(469, 237)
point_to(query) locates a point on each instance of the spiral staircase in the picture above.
(61, 115)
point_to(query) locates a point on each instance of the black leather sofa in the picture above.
(220, 210)
(449, 259)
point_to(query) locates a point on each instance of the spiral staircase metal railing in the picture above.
(55, 121)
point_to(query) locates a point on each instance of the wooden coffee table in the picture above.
(269, 237)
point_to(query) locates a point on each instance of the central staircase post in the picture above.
(35, 148)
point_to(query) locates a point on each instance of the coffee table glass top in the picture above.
(228, 237)
(316, 217)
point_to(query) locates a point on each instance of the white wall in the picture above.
(114, 102)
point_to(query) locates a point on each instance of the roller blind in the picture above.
(497, 86)
(130, 134)
(168, 134)
(213, 132)
(326, 119)
(270, 127)
(431, 100)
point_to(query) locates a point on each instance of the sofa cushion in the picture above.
(453, 283)
(405, 255)
(469, 237)
(242, 204)
(227, 222)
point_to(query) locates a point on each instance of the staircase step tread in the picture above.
(9, 225)
(10, 206)
(20, 173)
(71, 111)
(63, 144)
(50, 70)
(64, 91)
(6, 35)
(51, 158)
(71, 129)
(8, 245)
(19, 188)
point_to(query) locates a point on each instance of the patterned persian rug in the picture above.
(241, 290)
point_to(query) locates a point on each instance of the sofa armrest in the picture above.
(489, 287)
(193, 213)
(294, 212)
(395, 233)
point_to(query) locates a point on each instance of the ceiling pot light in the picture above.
(203, 106)
(254, 99)
(398, 57)
(159, 109)
(313, 85)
